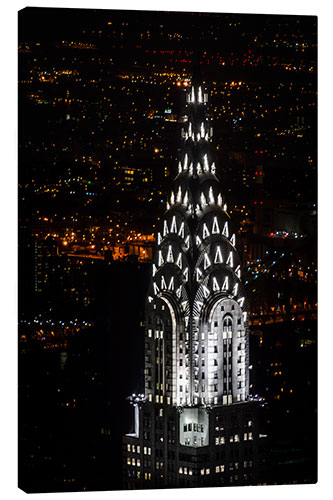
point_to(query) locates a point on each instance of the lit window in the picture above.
(128, 447)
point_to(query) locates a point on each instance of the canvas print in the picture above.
(167, 187)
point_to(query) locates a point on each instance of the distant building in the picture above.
(134, 177)
(196, 424)
(45, 260)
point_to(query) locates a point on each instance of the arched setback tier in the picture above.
(181, 195)
(174, 227)
(223, 352)
(171, 251)
(221, 257)
(212, 224)
(167, 350)
(210, 187)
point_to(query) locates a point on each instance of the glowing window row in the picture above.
(185, 470)
(219, 468)
(158, 399)
(234, 438)
(134, 462)
(158, 334)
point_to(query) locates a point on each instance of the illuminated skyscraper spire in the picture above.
(200, 306)
(196, 340)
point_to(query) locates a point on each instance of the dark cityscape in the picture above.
(101, 96)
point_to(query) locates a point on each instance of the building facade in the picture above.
(196, 424)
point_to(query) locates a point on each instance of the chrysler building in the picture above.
(196, 424)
